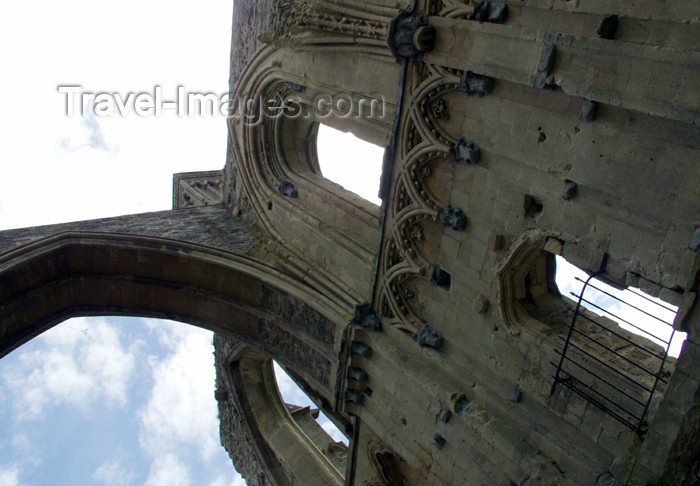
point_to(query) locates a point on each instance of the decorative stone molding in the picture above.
(194, 189)
(297, 17)
(410, 35)
(386, 462)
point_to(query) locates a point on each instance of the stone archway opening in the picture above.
(294, 396)
(354, 164)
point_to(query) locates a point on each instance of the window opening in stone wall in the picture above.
(620, 347)
(352, 163)
(333, 443)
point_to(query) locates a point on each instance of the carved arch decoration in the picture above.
(511, 273)
(276, 150)
(386, 463)
(331, 20)
(424, 148)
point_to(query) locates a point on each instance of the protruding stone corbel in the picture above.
(589, 110)
(354, 396)
(439, 441)
(358, 374)
(476, 84)
(288, 189)
(221, 395)
(488, 11)
(410, 35)
(445, 414)
(608, 27)
(547, 58)
(466, 152)
(441, 277)
(695, 240)
(481, 303)
(454, 218)
(570, 190)
(459, 402)
(360, 349)
(366, 318)
(428, 336)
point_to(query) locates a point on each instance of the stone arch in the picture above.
(526, 252)
(194, 266)
(62, 274)
(258, 430)
(278, 175)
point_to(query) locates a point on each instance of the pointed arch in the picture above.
(50, 274)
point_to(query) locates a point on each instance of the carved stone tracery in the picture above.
(424, 145)
(292, 18)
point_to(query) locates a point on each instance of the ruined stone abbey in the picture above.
(518, 133)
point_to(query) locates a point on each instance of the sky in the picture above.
(115, 401)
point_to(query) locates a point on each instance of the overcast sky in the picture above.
(112, 401)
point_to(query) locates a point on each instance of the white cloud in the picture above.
(168, 470)
(114, 473)
(91, 136)
(81, 362)
(9, 476)
(181, 412)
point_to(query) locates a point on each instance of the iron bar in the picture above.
(613, 399)
(606, 382)
(571, 329)
(645, 297)
(626, 303)
(578, 382)
(602, 406)
(636, 345)
(625, 321)
(648, 371)
(632, 380)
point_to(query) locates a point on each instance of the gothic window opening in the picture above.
(312, 421)
(619, 347)
(352, 163)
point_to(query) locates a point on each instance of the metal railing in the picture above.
(591, 363)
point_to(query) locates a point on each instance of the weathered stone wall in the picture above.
(635, 203)
(234, 430)
(209, 226)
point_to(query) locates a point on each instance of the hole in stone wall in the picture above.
(619, 349)
(352, 163)
(295, 398)
(550, 289)
(441, 278)
(531, 206)
(631, 308)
